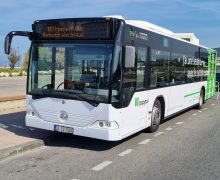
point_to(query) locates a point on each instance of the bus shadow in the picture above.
(179, 114)
(86, 143)
(100, 145)
(15, 123)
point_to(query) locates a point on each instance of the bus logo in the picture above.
(132, 34)
(139, 103)
(63, 116)
(136, 102)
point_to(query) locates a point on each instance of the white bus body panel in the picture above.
(135, 117)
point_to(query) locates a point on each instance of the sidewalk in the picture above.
(12, 86)
(11, 98)
(15, 137)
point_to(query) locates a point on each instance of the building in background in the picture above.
(188, 37)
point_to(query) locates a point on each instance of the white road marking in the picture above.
(125, 152)
(181, 122)
(200, 111)
(145, 141)
(169, 128)
(158, 134)
(101, 165)
(212, 104)
(194, 114)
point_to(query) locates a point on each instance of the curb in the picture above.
(12, 98)
(21, 148)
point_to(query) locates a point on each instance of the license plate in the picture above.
(63, 129)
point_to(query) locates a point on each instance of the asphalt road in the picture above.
(12, 86)
(185, 147)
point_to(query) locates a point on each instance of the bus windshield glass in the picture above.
(74, 71)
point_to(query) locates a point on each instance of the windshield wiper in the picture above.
(90, 102)
(49, 86)
(79, 97)
(41, 94)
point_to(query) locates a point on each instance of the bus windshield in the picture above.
(74, 71)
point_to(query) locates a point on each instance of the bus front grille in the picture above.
(73, 119)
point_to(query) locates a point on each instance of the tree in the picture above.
(25, 62)
(13, 58)
(60, 58)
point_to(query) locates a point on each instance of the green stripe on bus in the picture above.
(191, 94)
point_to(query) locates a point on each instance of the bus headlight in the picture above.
(105, 124)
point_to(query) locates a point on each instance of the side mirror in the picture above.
(10, 35)
(8, 39)
(129, 56)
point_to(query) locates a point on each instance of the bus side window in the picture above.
(177, 69)
(159, 68)
(190, 69)
(141, 68)
(129, 83)
(204, 66)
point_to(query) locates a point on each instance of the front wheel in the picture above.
(155, 116)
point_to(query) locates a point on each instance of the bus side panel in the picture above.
(137, 115)
(176, 100)
(134, 117)
(183, 96)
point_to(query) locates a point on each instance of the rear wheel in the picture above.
(201, 99)
(155, 116)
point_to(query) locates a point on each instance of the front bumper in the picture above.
(97, 133)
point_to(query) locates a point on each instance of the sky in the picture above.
(201, 17)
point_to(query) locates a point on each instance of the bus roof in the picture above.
(157, 29)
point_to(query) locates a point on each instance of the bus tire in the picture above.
(201, 99)
(155, 116)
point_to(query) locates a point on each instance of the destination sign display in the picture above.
(73, 29)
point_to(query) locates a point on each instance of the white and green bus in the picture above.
(108, 77)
